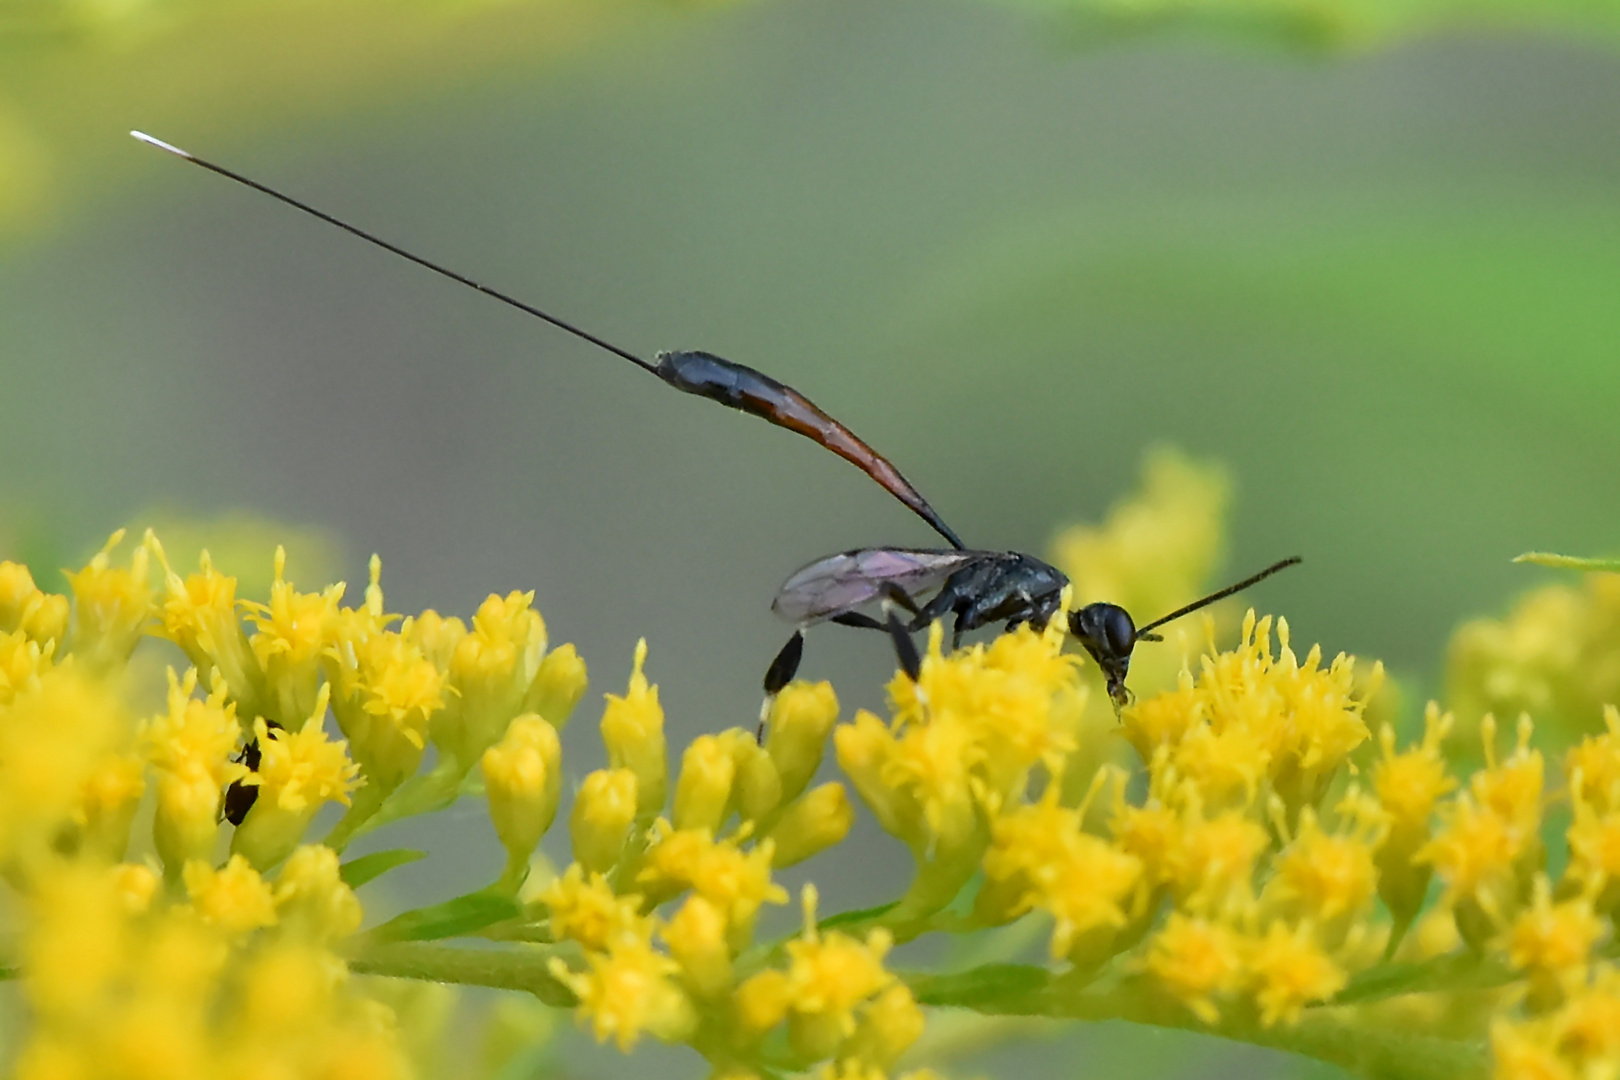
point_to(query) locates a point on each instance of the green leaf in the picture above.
(859, 915)
(356, 872)
(990, 982)
(453, 918)
(1570, 562)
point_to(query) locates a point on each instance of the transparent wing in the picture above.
(849, 579)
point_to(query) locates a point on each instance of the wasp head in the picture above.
(1108, 634)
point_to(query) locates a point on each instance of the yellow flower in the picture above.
(111, 606)
(312, 900)
(802, 716)
(736, 882)
(1252, 717)
(557, 686)
(233, 898)
(54, 740)
(491, 668)
(1474, 853)
(1212, 863)
(828, 978)
(703, 790)
(628, 990)
(25, 609)
(294, 629)
(1593, 767)
(697, 940)
(1322, 877)
(1197, 961)
(603, 812)
(22, 662)
(1512, 788)
(112, 792)
(1554, 657)
(1594, 853)
(1551, 939)
(1040, 857)
(1408, 784)
(523, 779)
(812, 824)
(584, 908)
(633, 729)
(199, 614)
(299, 770)
(386, 690)
(890, 1024)
(1288, 970)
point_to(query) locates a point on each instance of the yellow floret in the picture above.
(633, 729)
(628, 990)
(234, 897)
(1197, 961)
(584, 908)
(1289, 970)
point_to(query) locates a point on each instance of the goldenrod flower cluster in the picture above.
(1252, 848)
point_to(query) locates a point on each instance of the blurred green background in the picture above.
(1367, 255)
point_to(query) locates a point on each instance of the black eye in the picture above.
(1120, 631)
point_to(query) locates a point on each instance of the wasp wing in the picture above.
(849, 579)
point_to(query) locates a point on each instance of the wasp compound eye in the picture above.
(1119, 631)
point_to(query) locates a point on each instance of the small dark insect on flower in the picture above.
(240, 796)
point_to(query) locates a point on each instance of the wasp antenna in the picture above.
(1292, 560)
(354, 230)
(160, 144)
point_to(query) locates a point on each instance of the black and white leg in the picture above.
(778, 675)
(905, 650)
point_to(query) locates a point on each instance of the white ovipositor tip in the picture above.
(160, 144)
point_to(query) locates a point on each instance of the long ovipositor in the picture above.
(737, 385)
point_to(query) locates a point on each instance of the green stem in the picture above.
(1326, 1034)
(499, 969)
(418, 795)
(367, 801)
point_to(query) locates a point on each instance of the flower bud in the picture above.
(294, 630)
(892, 1022)
(703, 792)
(233, 897)
(111, 606)
(312, 898)
(758, 788)
(557, 686)
(633, 729)
(762, 1002)
(801, 718)
(111, 794)
(491, 669)
(697, 939)
(186, 819)
(813, 824)
(865, 748)
(603, 813)
(523, 778)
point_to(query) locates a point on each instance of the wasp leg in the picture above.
(905, 650)
(897, 596)
(857, 620)
(778, 675)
